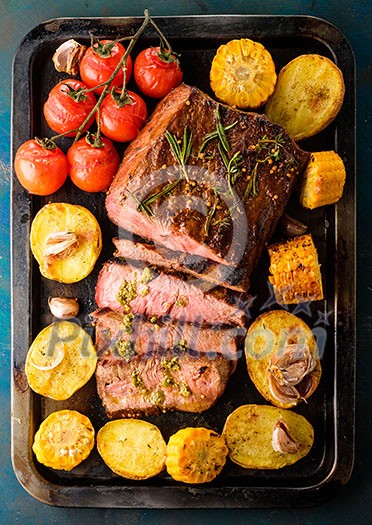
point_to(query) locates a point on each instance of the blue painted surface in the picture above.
(353, 504)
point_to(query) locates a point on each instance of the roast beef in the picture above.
(197, 267)
(150, 383)
(128, 335)
(225, 203)
(125, 288)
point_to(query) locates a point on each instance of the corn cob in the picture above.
(64, 439)
(195, 455)
(323, 180)
(295, 271)
(243, 73)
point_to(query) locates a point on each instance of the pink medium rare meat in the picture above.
(142, 291)
(129, 335)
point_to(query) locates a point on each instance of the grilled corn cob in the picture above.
(64, 439)
(323, 180)
(295, 271)
(195, 455)
(243, 73)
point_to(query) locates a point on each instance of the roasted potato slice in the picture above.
(195, 455)
(266, 437)
(132, 448)
(64, 439)
(282, 358)
(307, 97)
(61, 359)
(66, 241)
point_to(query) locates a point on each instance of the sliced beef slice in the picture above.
(220, 214)
(151, 383)
(127, 335)
(193, 265)
(142, 291)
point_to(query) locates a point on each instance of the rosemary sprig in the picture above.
(214, 135)
(272, 149)
(221, 132)
(210, 216)
(183, 152)
(145, 204)
(141, 206)
(222, 223)
(232, 166)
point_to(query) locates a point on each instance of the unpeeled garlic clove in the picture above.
(63, 307)
(281, 440)
(67, 57)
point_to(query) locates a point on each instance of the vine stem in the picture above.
(162, 36)
(124, 95)
(107, 84)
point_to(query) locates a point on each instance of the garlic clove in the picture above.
(63, 307)
(291, 227)
(281, 439)
(293, 365)
(67, 57)
(284, 394)
(61, 245)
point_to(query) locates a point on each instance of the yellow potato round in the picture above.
(195, 455)
(280, 349)
(132, 448)
(64, 439)
(66, 241)
(249, 436)
(61, 359)
(308, 95)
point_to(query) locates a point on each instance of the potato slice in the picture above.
(266, 437)
(282, 358)
(307, 97)
(195, 455)
(132, 448)
(64, 439)
(66, 241)
(61, 359)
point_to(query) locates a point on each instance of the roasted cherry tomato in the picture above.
(41, 169)
(99, 62)
(92, 163)
(66, 107)
(122, 122)
(156, 76)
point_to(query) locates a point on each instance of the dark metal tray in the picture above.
(313, 479)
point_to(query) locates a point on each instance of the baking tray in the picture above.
(313, 479)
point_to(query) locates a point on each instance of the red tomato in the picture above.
(96, 69)
(122, 124)
(40, 170)
(92, 168)
(155, 77)
(64, 113)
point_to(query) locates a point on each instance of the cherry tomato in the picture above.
(92, 168)
(154, 76)
(65, 109)
(122, 124)
(96, 69)
(40, 170)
